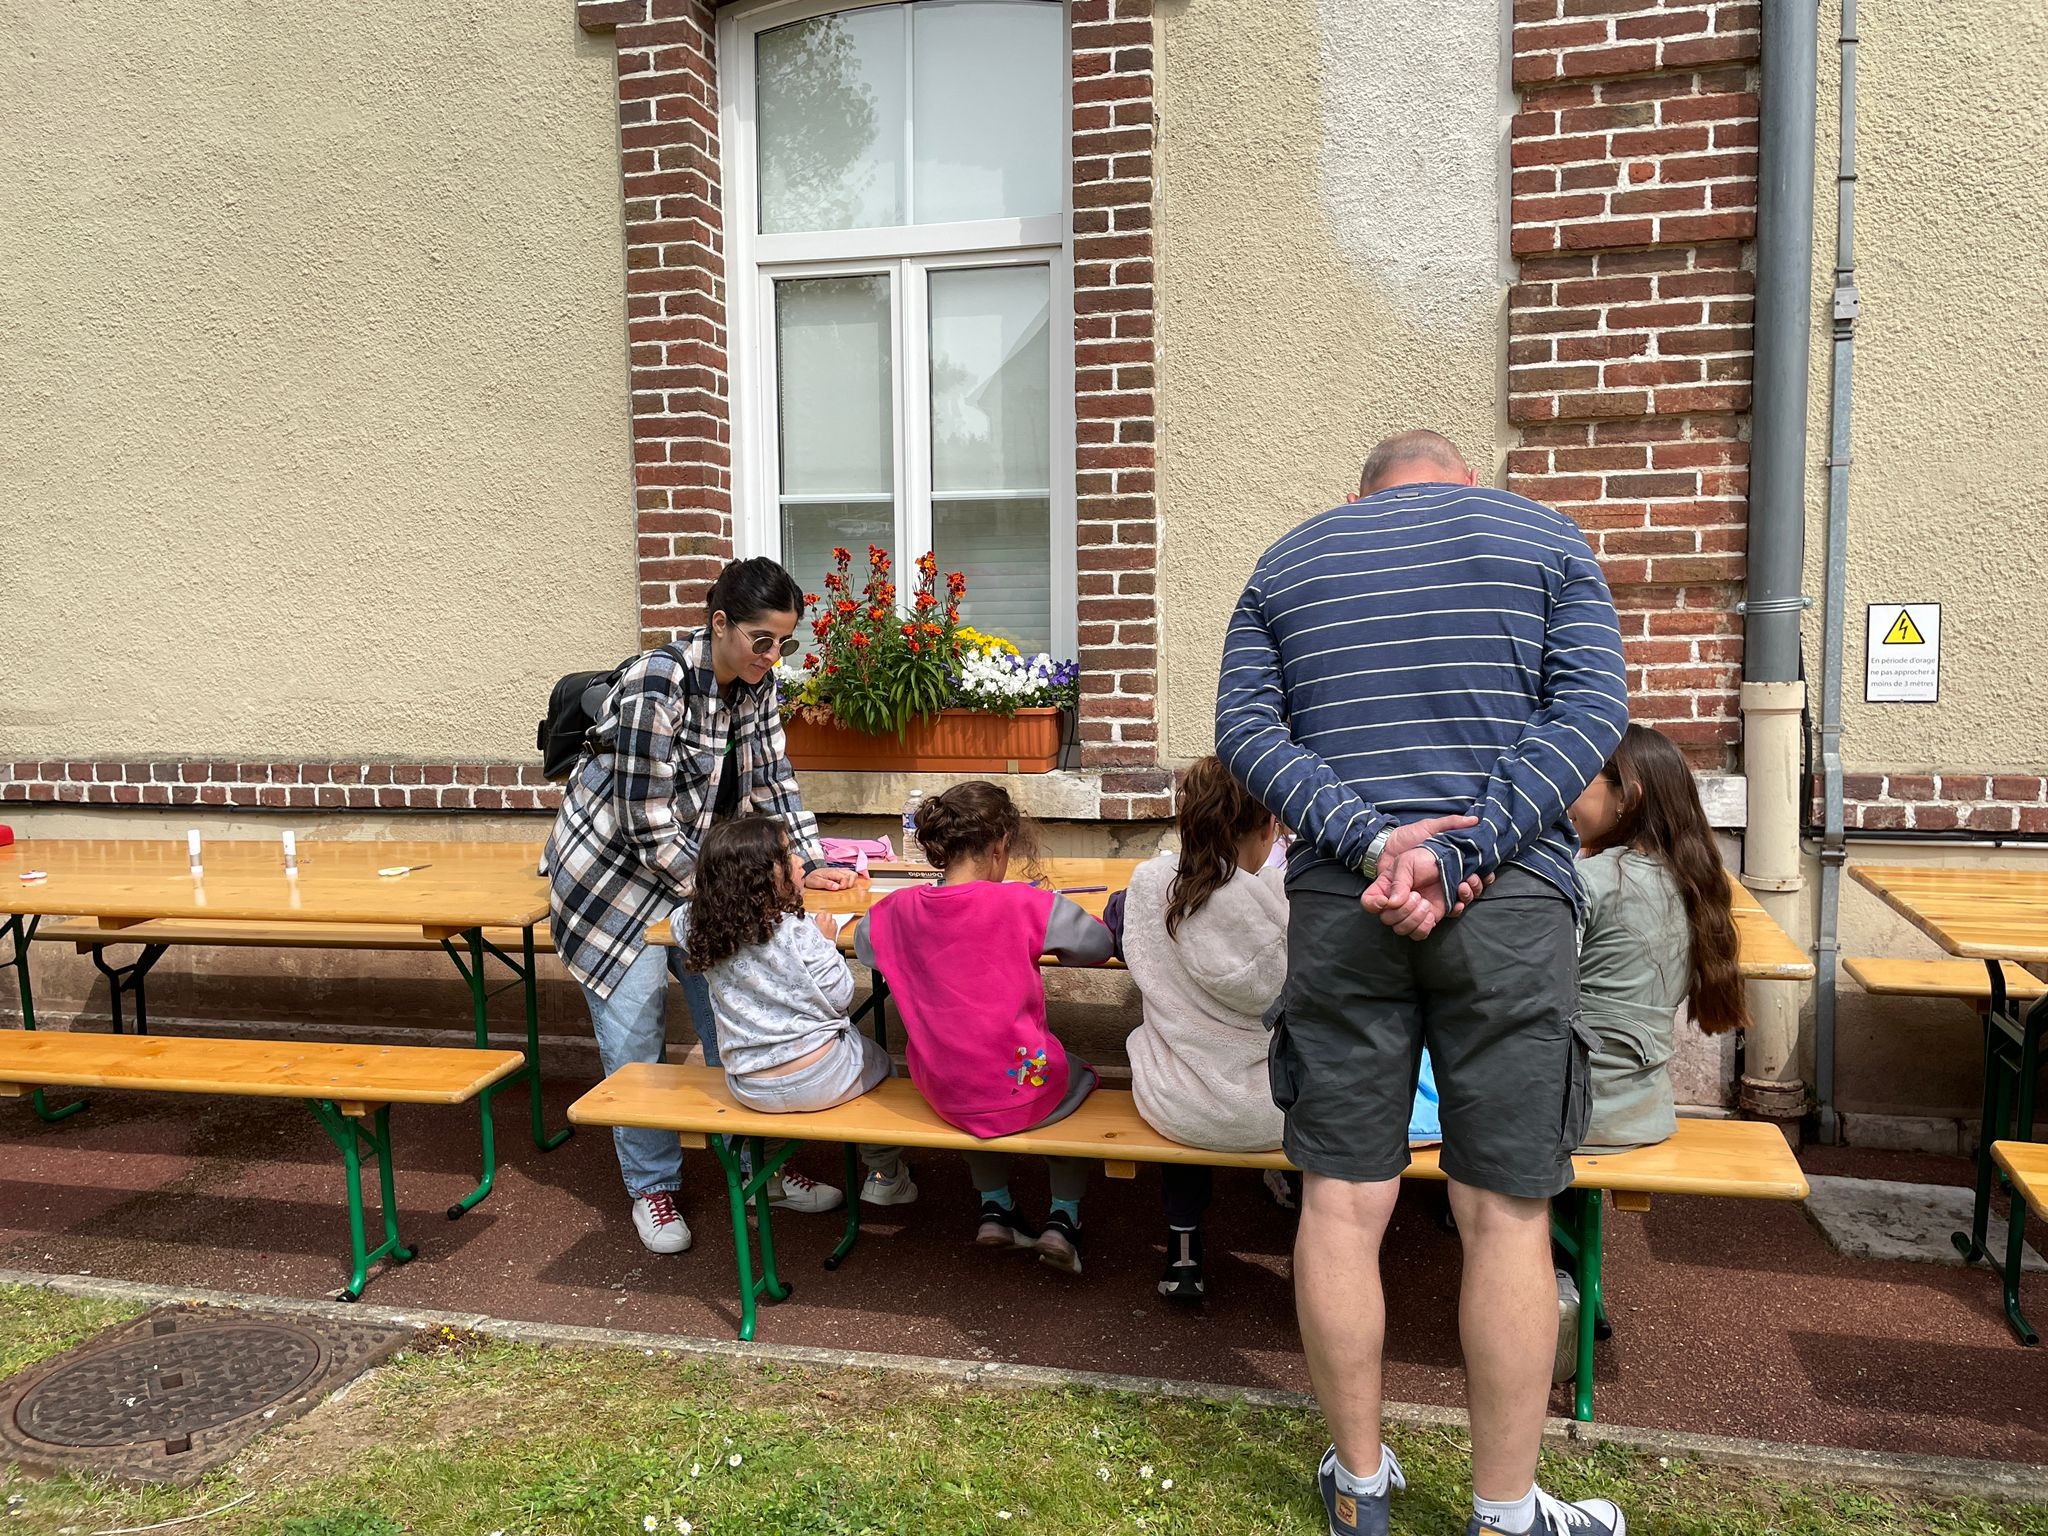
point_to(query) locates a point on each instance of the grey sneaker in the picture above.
(1566, 1365)
(1361, 1514)
(1554, 1517)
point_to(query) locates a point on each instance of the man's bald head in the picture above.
(1414, 458)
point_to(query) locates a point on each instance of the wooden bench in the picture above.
(91, 936)
(2025, 1165)
(1740, 1159)
(349, 1088)
(1969, 980)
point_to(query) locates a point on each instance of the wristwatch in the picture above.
(1373, 850)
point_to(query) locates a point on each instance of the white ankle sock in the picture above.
(1374, 1486)
(1515, 1517)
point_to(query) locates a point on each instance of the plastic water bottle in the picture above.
(913, 850)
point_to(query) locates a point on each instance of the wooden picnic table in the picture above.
(1992, 915)
(454, 893)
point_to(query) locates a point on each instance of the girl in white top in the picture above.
(781, 990)
(1205, 936)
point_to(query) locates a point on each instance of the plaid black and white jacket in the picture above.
(624, 845)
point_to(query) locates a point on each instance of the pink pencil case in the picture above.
(853, 851)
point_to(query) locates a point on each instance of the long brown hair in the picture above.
(743, 890)
(1215, 813)
(1661, 817)
(971, 820)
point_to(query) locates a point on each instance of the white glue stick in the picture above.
(192, 845)
(291, 851)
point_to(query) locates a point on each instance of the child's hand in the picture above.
(827, 924)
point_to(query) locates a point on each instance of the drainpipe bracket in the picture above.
(1767, 1099)
(1797, 604)
(1773, 882)
(1848, 304)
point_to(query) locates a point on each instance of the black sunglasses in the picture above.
(761, 642)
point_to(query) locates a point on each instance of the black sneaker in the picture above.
(1060, 1243)
(1362, 1514)
(1182, 1280)
(1004, 1226)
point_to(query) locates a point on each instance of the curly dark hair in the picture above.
(743, 890)
(972, 819)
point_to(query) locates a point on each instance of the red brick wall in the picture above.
(1633, 188)
(1115, 459)
(354, 786)
(1946, 802)
(675, 299)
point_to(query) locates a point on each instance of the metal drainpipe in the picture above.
(1773, 697)
(1827, 943)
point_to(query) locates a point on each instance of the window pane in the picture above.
(991, 361)
(991, 393)
(830, 109)
(833, 387)
(988, 114)
(1004, 547)
(811, 530)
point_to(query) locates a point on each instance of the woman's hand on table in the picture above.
(829, 879)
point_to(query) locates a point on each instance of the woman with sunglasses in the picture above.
(688, 736)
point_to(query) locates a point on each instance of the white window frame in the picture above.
(907, 254)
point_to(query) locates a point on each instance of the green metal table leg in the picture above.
(740, 1187)
(529, 976)
(351, 1136)
(853, 1182)
(480, 1000)
(1592, 1302)
(19, 930)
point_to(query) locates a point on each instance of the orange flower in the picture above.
(849, 607)
(913, 647)
(860, 640)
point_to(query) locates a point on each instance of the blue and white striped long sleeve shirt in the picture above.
(1431, 650)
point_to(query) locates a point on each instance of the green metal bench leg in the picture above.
(854, 1176)
(351, 1136)
(529, 976)
(2035, 1025)
(1592, 1301)
(739, 1189)
(1992, 1122)
(19, 930)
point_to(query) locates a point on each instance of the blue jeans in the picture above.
(632, 1025)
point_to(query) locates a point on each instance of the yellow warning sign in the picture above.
(1904, 631)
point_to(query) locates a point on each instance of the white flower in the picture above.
(683, 1527)
(734, 1459)
(1146, 1471)
(696, 1469)
(1163, 1487)
(1103, 1473)
(1002, 1514)
(649, 1523)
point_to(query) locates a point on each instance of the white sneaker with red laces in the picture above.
(660, 1225)
(793, 1192)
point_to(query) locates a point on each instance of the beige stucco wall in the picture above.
(1949, 487)
(1330, 270)
(312, 377)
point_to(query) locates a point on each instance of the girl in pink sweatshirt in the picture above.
(961, 960)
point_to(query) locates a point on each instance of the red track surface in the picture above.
(1731, 1317)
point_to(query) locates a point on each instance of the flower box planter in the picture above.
(952, 741)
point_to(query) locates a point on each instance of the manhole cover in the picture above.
(173, 1394)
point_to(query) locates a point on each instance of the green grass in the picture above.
(35, 1324)
(476, 1436)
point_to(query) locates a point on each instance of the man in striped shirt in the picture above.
(1419, 683)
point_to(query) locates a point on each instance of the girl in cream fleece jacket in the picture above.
(1205, 936)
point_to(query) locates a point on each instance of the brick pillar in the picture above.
(1630, 328)
(675, 300)
(1117, 527)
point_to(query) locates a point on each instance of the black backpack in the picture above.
(573, 707)
(569, 726)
